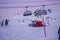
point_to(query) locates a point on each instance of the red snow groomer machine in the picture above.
(37, 23)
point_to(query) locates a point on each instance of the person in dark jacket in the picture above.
(59, 33)
(2, 22)
(6, 22)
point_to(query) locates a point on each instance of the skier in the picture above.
(23, 20)
(2, 23)
(59, 33)
(6, 22)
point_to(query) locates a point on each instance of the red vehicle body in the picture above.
(37, 23)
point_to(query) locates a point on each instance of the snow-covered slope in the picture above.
(19, 30)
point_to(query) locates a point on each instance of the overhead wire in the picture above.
(30, 6)
(25, 2)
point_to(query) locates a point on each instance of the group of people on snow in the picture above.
(4, 22)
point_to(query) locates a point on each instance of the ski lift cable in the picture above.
(30, 6)
(25, 2)
(45, 5)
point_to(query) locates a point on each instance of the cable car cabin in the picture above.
(27, 13)
(37, 23)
